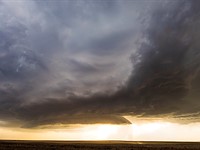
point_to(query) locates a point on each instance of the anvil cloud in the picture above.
(85, 62)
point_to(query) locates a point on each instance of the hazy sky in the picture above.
(94, 62)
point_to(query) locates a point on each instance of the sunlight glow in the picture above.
(100, 132)
(148, 128)
(104, 131)
(139, 130)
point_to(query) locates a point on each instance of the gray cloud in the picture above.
(94, 62)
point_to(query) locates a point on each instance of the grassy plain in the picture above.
(96, 145)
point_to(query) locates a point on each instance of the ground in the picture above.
(99, 145)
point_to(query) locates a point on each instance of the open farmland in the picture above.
(99, 145)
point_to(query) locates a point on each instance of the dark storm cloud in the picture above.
(94, 62)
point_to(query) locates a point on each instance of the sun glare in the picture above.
(100, 132)
(104, 131)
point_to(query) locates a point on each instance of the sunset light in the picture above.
(141, 130)
(100, 71)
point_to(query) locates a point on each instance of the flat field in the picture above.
(96, 145)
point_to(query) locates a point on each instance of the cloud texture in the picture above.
(88, 62)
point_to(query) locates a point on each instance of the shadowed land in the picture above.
(99, 145)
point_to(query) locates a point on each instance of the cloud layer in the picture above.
(97, 61)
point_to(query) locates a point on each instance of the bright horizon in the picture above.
(141, 130)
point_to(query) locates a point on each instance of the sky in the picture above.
(73, 69)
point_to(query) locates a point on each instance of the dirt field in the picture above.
(99, 145)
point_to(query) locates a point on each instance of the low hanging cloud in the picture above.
(85, 62)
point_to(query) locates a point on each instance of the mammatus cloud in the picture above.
(95, 62)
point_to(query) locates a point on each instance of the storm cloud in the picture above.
(85, 62)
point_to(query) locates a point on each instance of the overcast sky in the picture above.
(88, 62)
